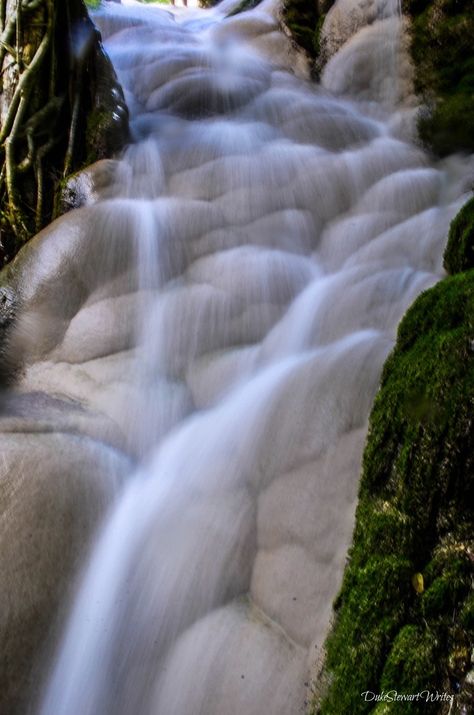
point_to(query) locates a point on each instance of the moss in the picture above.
(449, 577)
(459, 254)
(443, 57)
(411, 663)
(366, 626)
(449, 126)
(415, 516)
(304, 19)
(301, 18)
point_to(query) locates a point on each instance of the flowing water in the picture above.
(225, 302)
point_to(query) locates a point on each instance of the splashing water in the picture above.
(232, 288)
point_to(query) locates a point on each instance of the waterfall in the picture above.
(229, 292)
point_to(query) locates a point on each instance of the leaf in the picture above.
(418, 582)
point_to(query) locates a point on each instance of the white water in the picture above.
(242, 273)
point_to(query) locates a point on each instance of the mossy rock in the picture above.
(459, 254)
(301, 18)
(442, 48)
(411, 662)
(405, 613)
(304, 20)
(107, 122)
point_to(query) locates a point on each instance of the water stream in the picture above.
(233, 286)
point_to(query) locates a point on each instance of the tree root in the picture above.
(45, 102)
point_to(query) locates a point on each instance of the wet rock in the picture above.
(48, 513)
(443, 57)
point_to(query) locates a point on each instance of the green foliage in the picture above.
(459, 253)
(443, 55)
(415, 516)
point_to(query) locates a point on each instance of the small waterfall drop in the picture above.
(243, 269)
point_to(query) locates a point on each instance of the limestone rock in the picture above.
(54, 489)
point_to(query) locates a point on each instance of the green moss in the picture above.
(304, 19)
(449, 576)
(415, 516)
(459, 254)
(443, 56)
(367, 623)
(411, 663)
(449, 126)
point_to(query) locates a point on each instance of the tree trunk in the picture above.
(61, 107)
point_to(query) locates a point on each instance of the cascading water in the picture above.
(227, 298)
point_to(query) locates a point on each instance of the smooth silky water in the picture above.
(221, 308)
